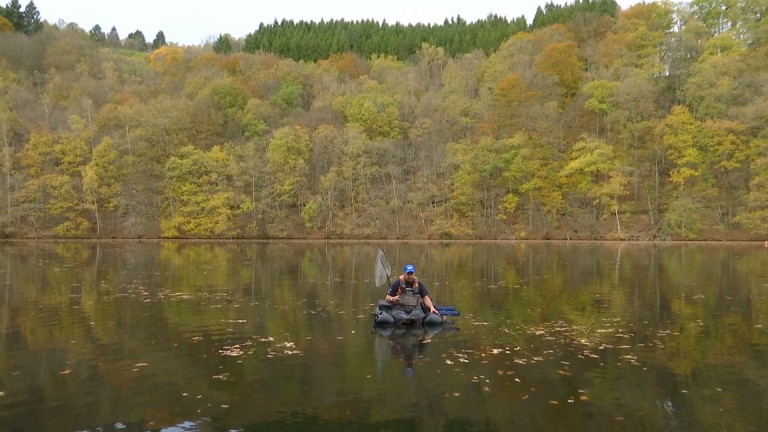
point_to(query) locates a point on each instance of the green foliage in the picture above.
(373, 110)
(199, 201)
(113, 38)
(136, 41)
(27, 21)
(101, 176)
(601, 93)
(287, 158)
(309, 214)
(97, 34)
(50, 195)
(594, 170)
(159, 40)
(561, 14)
(223, 44)
(311, 41)
(289, 96)
(230, 97)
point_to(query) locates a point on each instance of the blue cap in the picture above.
(410, 268)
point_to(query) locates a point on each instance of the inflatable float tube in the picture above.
(384, 314)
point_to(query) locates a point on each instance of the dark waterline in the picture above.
(248, 336)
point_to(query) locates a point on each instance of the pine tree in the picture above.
(159, 40)
(31, 19)
(113, 39)
(97, 34)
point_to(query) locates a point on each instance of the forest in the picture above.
(592, 122)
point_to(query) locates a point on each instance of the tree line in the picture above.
(648, 123)
(29, 21)
(312, 41)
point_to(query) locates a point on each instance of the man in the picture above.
(409, 297)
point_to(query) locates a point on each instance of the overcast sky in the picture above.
(193, 22)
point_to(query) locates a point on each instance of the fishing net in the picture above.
(383, 270)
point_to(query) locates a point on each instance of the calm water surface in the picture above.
(195, 336)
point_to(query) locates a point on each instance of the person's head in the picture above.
(409, 270)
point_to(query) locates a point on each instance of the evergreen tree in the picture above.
(97, 34)
(159, 40)
(31, 19)
(223, 44)
(136, 41)
(113, 39)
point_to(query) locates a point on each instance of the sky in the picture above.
(194, 22)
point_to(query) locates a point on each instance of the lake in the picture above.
(278, 336)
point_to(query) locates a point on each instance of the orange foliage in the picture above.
(5, 25)
(349, 64)
(231, 64)
(165, 57)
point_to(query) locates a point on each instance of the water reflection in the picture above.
(407, 343)
(259, 336)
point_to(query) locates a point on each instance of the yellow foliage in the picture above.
(6, 25)
(165, 57)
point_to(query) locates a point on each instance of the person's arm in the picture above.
(430, 305)
(427, 300)
(390, 297)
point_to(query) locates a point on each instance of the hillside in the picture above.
(646, 123)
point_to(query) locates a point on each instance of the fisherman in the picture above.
(409, 297)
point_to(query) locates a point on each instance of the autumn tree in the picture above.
(530, 176)
(198, 197)
(691, 187)
(101, 185)
(754, 216)
(478, 187)
(287, 156)
(561, 60)
(594, 172)
(373, 110)
(51, 197)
